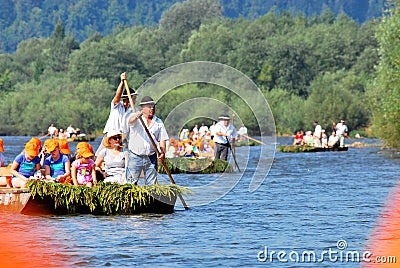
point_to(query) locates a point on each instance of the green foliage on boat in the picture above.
(104, 198)
(245, 143)
(195, 165)
(295, 149)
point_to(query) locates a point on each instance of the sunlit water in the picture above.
(308, 202)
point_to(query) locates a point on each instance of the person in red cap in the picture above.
(25, 165)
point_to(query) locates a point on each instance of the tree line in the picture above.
(23, 19)
(323, 68)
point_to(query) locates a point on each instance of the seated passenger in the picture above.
(333, 140)
(113, 158)
(57, 165)
(299, 138)
(25, 164)
(83, 171)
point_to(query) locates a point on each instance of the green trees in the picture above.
(308, 69)
(384, 91)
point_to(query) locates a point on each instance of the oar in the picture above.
(250, 138)
(44, 136)
(153, 143)
(233, 154)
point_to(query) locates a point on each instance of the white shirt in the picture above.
(341, 129)
(203, 130)
(114, 121)
(230, 130)
(242, 130)
(52, 130)
(138, 140)
(212, 130)
(317, 131)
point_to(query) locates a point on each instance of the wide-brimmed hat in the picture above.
(31, 149)
(147, 100)
(51, 145)
(110, 134)
(224, 117)
(1, 146)
(125, 94)
(64, 147)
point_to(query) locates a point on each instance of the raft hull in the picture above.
(21, 201)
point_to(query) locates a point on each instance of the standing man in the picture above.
(243, 131)
(52, 131)
(341, 131)
(224, 134)
(142, 154)
(120, 107)
(317, 134)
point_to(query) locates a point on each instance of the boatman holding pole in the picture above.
(224, 134)
(142, 155)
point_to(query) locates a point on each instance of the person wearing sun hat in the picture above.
(2, 158)
(83, 169)
(57, 165)
(25, 165)
(224, 134)
(112, 158)
(142, 155)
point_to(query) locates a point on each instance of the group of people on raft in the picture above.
(126, 150)
(200, 141)
(319, 138)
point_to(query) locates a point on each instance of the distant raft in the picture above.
(309, 149)
(195, 165)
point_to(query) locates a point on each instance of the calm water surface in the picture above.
(308, 202)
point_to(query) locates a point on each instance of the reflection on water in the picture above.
(308, 201)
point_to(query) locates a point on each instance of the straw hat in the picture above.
(125, 94)
(224, 117)
(110, 134)
(147, 100)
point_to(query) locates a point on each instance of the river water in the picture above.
(309, 202)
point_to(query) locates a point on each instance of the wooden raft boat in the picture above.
(202, 165)
(309, 149)
(45, 198)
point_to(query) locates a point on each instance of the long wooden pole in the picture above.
(153, 143)
(233, 154)
(250, 138)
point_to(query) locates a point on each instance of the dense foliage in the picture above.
(200, 166)
(104, 198)
(384, 91)
(23, 19)
(308, 68)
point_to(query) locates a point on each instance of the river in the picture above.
(308, 203)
